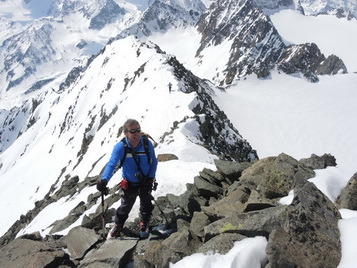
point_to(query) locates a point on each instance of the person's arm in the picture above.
(114, 161)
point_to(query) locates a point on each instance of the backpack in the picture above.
(146, 138)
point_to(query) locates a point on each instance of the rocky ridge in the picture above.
(256, 46)
(236, 201)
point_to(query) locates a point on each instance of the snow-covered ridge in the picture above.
(83, 123)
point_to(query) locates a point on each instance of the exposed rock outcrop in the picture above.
(236, 201)
(256, 46)
(348, 197)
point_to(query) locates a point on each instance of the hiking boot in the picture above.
(115, 231)
(144, 229)
(143, 226)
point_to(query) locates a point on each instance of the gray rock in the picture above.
(308, 59)
(211, 176)
(187, 203)
(166, 157)
(172, 249)
(274, 177)
(255, 223)
(206, 189)
(257, 202)
(310, 236)
(163, 213)
(68, 188)
(198, 222)
(220, 244)
(94, 220)
(229, 205)
(64, 223)
(33, 236)
(79, 240)
(313, 162)
(319, 162)
(332, 65)
(113, 252)
(182, 225)
(348, 197)
(32, 254)
(232, 170)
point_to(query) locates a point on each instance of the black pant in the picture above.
(127, 201)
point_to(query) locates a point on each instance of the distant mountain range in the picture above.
(41, 51)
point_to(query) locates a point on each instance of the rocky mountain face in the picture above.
(273, 4)
(110, 13)
(35, 48)
(341, 9)
(160, 16)
(256, 45)
(47, 48)
(237, 201)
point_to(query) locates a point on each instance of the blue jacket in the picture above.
(130, 168)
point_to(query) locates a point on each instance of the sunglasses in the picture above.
(135, 130)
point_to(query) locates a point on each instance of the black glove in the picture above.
(102, 185)
(152, 184)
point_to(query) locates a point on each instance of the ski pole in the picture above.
(103, 216)
(163, 214)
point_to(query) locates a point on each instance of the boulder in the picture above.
(206, 189)
(36, 236)
(79, 240)
(113, 253)
(198, 222)
(348, 196)
(32, 254)
(220, 244)
(230, 204)
(310, 235)
(274, 177)
(319, 162)
(258, 202)
(187, 203)
(211, 176)
(166, 157)
(172, 249)
(254, 223)
(231, 170)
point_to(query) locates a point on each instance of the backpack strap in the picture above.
(126, 150)
(146, 147)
